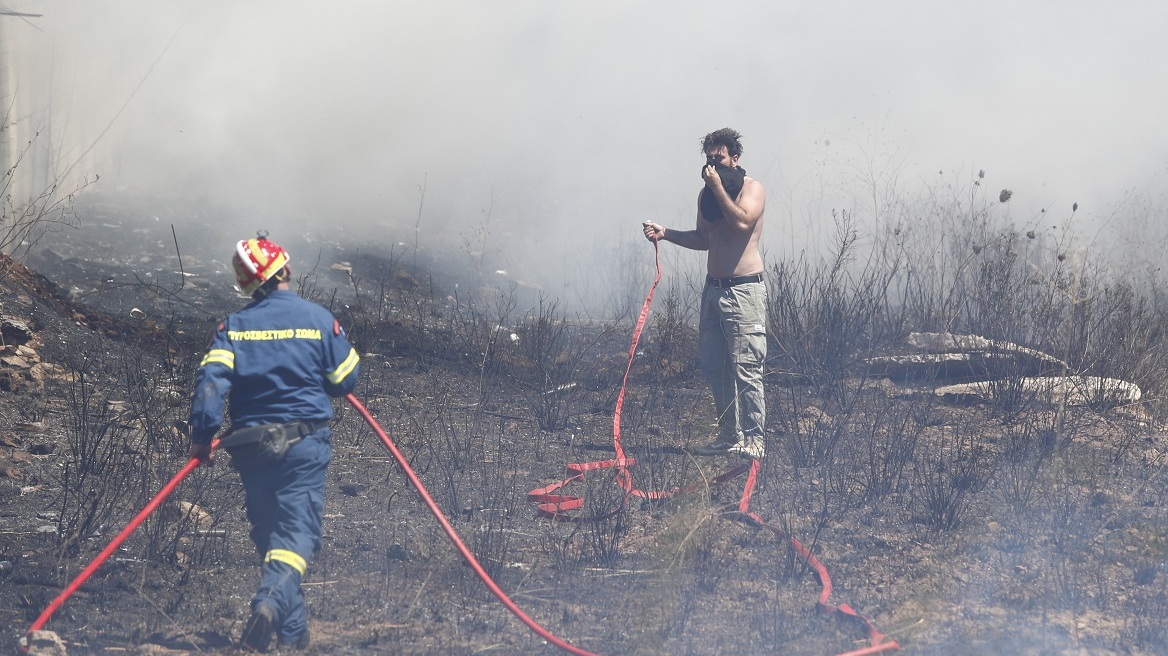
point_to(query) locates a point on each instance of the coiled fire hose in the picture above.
(553, 505)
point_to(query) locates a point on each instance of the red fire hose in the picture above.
(450, 533)
(111, 548)
(413, 478)
(553, 505)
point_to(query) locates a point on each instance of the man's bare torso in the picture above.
(734, 250)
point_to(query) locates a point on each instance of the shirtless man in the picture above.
(732, 327)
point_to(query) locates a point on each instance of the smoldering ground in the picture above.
(1005, 522)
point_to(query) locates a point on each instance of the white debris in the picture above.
(955, 342)
(1076, 390)
(560, 388)
(44, 643)
(178, 511)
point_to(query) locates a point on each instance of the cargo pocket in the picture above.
(749, 338)
(749, 347)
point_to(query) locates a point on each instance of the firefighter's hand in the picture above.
(202, 452)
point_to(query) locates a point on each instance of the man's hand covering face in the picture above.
(732, 180)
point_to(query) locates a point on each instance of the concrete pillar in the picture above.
(8, 113)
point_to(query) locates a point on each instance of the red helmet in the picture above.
(256, 261)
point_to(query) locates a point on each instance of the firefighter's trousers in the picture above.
(285, 504)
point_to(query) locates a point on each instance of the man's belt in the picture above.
(723, 283)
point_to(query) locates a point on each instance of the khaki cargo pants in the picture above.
(732, 348)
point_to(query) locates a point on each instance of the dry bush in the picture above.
(27, 215)
(824, 317)
(555, 356)
(888, 435)
(948, 473)
(122, 444)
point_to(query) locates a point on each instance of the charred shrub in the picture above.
(674, 342)
(823, 316)
(120, 438)
(949, 472)
(889, 439)
(814, 437)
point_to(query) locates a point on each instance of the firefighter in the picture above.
(278, 361)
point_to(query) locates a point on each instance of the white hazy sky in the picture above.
(567, 123)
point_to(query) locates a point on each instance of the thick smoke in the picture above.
(543, 133)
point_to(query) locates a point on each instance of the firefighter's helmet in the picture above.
(256, 261)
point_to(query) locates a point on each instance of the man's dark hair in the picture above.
(727, 137)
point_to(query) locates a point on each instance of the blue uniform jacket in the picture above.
(280, 358)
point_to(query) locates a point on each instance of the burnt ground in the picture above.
(957, 529)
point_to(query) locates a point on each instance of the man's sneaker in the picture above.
(717, 448)
(749, 447)
(257, 635)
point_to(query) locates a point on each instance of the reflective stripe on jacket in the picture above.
(279, 359)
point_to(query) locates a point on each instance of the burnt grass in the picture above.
(979, 527)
